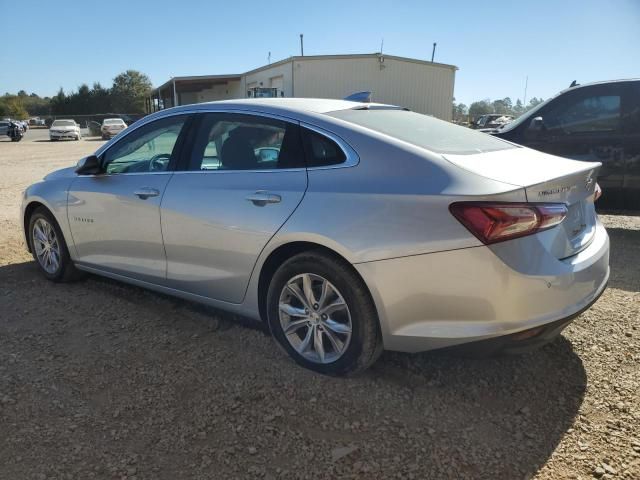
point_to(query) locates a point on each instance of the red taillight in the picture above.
(496, 222)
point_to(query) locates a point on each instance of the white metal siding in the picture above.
(422, 87)
(263, 78)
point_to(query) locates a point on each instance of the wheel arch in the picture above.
(26, 218)
(281, 254)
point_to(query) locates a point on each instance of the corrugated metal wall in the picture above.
(419, 86)
(263, 78)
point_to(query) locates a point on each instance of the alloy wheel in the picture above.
(46, 245)
(315, 318)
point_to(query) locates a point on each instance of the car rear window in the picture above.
(424, 131)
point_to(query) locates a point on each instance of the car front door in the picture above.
(115, 216)
(244, 177)
(586, 124)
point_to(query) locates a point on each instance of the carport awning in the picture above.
(197, 83)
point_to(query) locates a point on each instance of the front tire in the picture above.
(49, 248)
(320, 311)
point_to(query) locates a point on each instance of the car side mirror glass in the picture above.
(89, 166)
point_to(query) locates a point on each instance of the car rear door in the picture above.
(244, 176)
(115, 216)
(586, 124)
(632, 150)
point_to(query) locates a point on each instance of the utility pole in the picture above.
(433, 52)
(526, 83)
(381, 46)
(269, 58)
(301, 46)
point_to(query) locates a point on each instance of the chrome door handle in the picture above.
(261, 198)
(146, 192)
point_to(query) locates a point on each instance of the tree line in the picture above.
(126, 95)
(504, 106)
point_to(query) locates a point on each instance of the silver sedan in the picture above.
(348, 228)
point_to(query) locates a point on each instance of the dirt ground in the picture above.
(103, 380)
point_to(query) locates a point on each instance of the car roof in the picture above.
(602, 82)
(312, 105)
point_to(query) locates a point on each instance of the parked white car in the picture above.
(61, 129)
(111, 127)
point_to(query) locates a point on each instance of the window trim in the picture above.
(352, 158)
(572, 97)
(178, 146)
(183, 162)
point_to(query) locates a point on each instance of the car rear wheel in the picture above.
(321, 313)
(49, 248)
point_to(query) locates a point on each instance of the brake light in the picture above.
(496, 222)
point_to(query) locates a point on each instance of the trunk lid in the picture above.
(545, 179)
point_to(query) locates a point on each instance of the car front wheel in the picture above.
(321, 313)
(49, 248)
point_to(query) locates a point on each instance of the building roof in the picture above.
(350, 56)
(199, 79)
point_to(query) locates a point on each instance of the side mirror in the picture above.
(537, 124)
(89, 166)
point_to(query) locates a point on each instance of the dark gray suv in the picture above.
(597, 122)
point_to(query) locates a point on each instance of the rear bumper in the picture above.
(450, 298)
(110, 134)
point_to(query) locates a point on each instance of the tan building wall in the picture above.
(276, 76)
(226, 91)
(419, 86)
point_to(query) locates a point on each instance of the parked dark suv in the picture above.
(594, 122)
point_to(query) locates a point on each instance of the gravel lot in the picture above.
(103, 380)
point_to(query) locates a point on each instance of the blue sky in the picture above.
(495, 44)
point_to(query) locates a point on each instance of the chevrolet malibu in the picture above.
(348, 228)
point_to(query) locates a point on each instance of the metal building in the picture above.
(419, 85)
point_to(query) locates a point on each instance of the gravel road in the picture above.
(103, 380)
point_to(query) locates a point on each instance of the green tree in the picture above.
(480, 108)
(534, 102)
(59, 103)
(100, 99)
(460, 111)
(504, 106)
(518, 108)
(14, 108)
(129, 91)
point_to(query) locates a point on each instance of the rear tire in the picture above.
(49, 248)
(338, 333)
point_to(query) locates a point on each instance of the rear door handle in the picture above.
(261, 198)
(146, 192)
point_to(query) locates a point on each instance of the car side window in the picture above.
(150, 148)
(598, 112)
(320, 150)
(235, 141)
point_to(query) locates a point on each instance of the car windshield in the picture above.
(63, 123)
(114, 121)
(424, 131)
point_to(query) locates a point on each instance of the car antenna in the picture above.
(574, 84)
